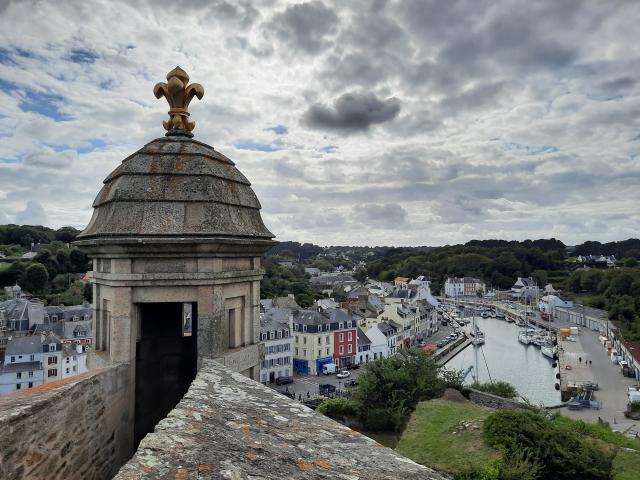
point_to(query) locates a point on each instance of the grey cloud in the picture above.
(387, 215)
(352, 112)
(305, 26)
(33, 214)
(50, 159)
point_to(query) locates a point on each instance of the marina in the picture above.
(503, 357)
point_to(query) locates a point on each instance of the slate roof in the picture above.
(24, 345)
(362, 338)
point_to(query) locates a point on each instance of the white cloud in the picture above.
(517, 120)
(33, 214)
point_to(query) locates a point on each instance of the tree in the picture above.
(631, 262)
(79, 261)
(66, 234)
(621, 284)
(35, 277)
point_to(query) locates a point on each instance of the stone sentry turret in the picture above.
(176, 240)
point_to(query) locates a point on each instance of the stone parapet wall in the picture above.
(69, 429)
(494, 401)
(228, 426)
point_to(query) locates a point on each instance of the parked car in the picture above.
(343, 374)
(284, 380)
(326, 388)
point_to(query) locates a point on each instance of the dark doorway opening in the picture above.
(272, 377)
(166, 361)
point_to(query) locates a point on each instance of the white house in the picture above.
(22, 366)
(364, 347)
(379, 346)
(275, 332)
(74, 360)
(549, 303)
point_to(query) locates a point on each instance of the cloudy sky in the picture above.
(358, 122)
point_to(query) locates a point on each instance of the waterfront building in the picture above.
(463, 287)
(275, 333)
(364, 347)
(379, 343)
(524, 289)
(323, 337)
(549, 303)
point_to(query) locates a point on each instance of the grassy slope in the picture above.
(428, 439)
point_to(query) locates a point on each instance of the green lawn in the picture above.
(626, 466)
(431, 437)
(4, 266)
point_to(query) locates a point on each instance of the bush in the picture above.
(501, 389)
(339, 407)
(391, 387)
(561, 453)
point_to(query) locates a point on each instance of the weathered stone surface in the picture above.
(494, 401)
(66, 429)
(176, 186)
(228, 426)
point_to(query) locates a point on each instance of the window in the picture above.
(304, 328)
(52, 372)
(327, 351)
(341, 349)
(304, 340)
(270, 335)
(32, 358)
(342, 337)
(52, 347)
(350, 335)
(341, 326)
(328, 341)
(350, 348)
(54, 318)
(263, 336)
(304, 352)
(13, 359)
(319, 341)
(52, 360)
(296, 339)
(30, 385)
(75, 369)
(19, 375)
(67, 359)
(349, 324)
(296, 351)
(18, 386)
(67, 369)
(30, 374)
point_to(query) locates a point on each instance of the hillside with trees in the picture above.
(54, 273)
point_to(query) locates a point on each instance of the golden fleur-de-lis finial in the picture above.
(179, 94)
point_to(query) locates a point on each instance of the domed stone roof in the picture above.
(176, 187)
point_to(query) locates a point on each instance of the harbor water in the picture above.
(502, 357)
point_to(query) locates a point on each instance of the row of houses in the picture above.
(363, 328)
(41, 343)
(32, 360)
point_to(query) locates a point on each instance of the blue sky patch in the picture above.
(278, 130)
(329, 149)
(256, 146)
(43, 103)
(80, 55)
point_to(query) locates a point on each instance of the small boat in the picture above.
(548, 351)
(478, 340)
(499, 315)
(520, 322)
(525, 338)
(484, 314)
(539, 341)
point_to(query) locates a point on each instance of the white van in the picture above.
(329, 368)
